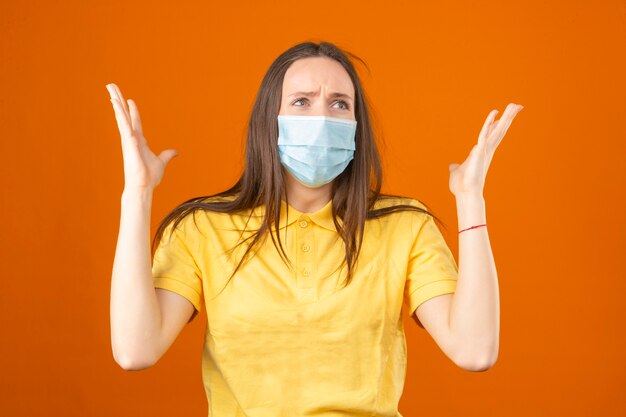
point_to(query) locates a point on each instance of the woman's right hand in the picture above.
(142, 168)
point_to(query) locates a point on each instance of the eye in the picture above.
(345, 103)
(347, 107)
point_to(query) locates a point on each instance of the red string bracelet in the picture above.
(473, 227)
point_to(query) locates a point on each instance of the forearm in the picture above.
(475, 309)
(135, 315)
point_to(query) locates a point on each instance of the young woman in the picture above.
(309, 323)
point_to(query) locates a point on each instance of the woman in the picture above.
(309, 323)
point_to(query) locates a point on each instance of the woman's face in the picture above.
(317, 86)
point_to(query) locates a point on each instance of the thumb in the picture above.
(452, 167)
(167, 155)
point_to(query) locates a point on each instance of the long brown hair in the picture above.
(262, 182)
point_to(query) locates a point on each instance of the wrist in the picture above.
(470, 210)
(469, 196)
(137, 193)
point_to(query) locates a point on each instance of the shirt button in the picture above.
(305, 247)
(305, 272)
(304, 223)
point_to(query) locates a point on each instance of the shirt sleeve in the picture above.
(432, 270)
(174, 266)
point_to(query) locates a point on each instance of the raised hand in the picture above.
(142, 168)
(469, 177)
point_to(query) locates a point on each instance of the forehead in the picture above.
(309, 74)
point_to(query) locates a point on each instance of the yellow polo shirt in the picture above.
(281, 342)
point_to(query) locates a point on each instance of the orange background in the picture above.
(554, 192)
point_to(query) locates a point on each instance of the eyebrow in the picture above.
(314, 93)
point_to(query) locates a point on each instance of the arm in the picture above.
(144, 321)
(466, 324)
(475, 306)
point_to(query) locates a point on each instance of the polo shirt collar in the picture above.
(323, 216)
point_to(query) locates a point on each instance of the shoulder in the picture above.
(187, 226)
(400, 216)
(218, 216)
(390, 201)
(399, 206)
(195, 216)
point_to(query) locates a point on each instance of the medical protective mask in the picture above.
(315, 149)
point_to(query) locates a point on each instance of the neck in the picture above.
(306, 199)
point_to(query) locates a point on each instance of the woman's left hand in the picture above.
(468, 178)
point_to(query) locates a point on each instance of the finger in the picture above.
(111, 90)
(505, 120)
(134, 116)
(506, 124)
(483, 132)
(120, 97)
(167, 155)
(511, 111)
(453, 166)
(491, 128)
(123, 123)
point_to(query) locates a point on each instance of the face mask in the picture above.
(315, 149)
